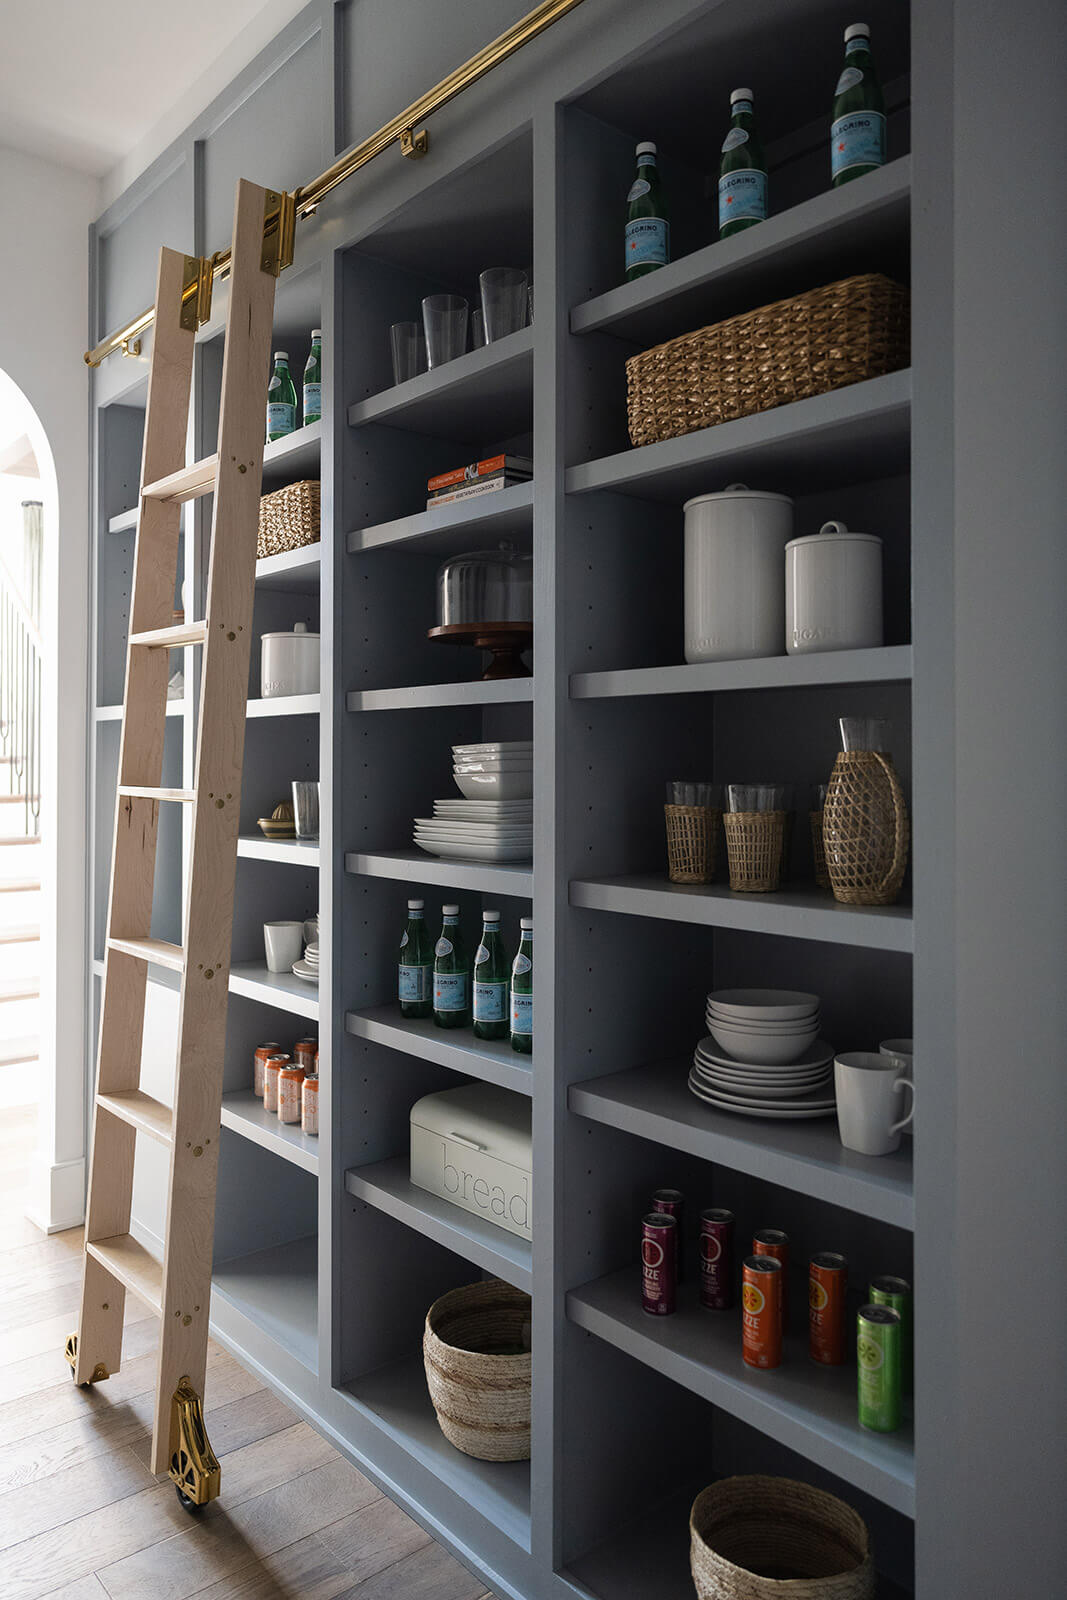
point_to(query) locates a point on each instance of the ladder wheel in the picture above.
(185, 1502)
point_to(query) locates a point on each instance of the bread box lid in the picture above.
(492, 1119)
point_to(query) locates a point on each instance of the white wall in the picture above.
(43, 318)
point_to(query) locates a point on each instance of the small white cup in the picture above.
(902, 1051)
(284, 944)
(868, 1089)
(311, 930)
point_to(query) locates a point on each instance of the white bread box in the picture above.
(471, 1145)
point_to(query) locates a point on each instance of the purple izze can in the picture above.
(659, 1263)
(670, 1203)
(716, 1259)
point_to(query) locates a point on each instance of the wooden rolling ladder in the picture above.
(179, 1290)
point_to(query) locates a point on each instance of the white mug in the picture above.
(311, 930)
(868, 1089)
(284, 943)
(902, 1051)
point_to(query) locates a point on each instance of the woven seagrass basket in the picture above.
(754, 842)
(809, 344)
(865, 829)
(692, 842)
(476, 1349)
(289, 518)
(822, 877)
(762, 1538)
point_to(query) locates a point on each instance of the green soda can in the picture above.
(896, 1293)
(878, 1368)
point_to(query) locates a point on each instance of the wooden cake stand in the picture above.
(505, 640)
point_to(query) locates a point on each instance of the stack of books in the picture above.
(480, 477)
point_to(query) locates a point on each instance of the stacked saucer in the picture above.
(763, 1056)
(494, 819)
(308, 968)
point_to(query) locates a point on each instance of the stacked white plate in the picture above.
(494, 771)
(478, 830)
(308, 968)
(763, 1056)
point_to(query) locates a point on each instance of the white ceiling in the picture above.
(90, 84)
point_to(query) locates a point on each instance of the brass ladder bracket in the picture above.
(413, 145)
(194, 1470)
(279, 232)
(197, 278)
(100, 1372)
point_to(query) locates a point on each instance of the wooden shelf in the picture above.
(803, 1406)
(475, 524)
(492, 1060)
(793, 913)
(175, 708)
(487, 393)
(890, 664)
(414, 867)
(292, 458)
(277, 1290)
(297, 852)
(125, 521)
(243, 1113)
(292, 571)
(281, 989)
(500, 692)
(285, 705)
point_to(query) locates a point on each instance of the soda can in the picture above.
(309, 1104)
(259, 1062)
(274, 1065)
(878, 1341)
(670, 1203)
(290, 1078)
(659, 1262)
(761, 1311)
(716, 1259)
(304, 1052)
(773, 1242)
(896, 1293)
(827, 1282)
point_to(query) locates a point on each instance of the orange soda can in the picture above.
(259, 1061)
(761, 1311)
(773, 1242)
(290, 1077)
(304, 1053)
(270, 1080)
(827, 1282)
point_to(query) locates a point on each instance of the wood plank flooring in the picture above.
(81, 1516)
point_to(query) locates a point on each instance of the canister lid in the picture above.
(300, 631)
(835, 533)
(736, 491)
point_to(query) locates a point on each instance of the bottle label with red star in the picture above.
(742, 197)
(857, 140)
(647, 242)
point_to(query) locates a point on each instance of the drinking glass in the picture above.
(757, 796)
(865, 733)
(306, 809)
(505, 299)
(444, 317)
(409, 346)
(477, 328)
(695, 794)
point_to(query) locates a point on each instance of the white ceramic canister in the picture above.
(289, 662)
(833, 591)
(734, 589)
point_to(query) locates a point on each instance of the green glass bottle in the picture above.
(490, 994)
(313, 380)
(742, 170)
(648, 232)
(857, 132)
(281, 398)
(415, 968)
(451, 974)
(522, 991)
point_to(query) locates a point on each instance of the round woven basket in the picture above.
(822, 877)
(692, 842)
(754, 849)
(476, 1349)
(865, 829)
(762, 1538)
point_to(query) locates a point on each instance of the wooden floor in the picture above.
(82, 1518)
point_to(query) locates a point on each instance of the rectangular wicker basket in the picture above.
(289, 518)
(806, 345)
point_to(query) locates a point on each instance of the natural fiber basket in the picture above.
(476, 1349)
(865, 829)
(692, 842)
(822, 877)
(809, 344)
(754, 849)
(289, 518)
(762, 1538)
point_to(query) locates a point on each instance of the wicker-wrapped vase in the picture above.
(476, 1348)
(289, 518)
(754, 841)
(822, 877)
(865, 829)
(809, 344)
(692, 842)
(763, 1538)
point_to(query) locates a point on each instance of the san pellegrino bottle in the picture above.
(648, 233)
(857, 132)
(522, 991)
(451, 974)
(281, 398)
(491, 981)
(313, 379)
(742, 170)
(415, 968)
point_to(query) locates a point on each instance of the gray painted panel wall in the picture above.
(129, 251)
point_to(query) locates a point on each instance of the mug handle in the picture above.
(904, 1083)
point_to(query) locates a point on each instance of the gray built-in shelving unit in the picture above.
(327, 1256)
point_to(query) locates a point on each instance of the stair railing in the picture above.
(20, 698)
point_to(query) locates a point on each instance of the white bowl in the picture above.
(480, 752)
(494, 764)
(495, 785)
(764, 1049)
(763, 1027)
(766, 1005)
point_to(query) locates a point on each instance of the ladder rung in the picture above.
(19, 885)
(130, 1264)
(186, 484)
(157, 951)
(27, 933)
(134, 792)
(171, 638)
(141, 1112)
(21, 838)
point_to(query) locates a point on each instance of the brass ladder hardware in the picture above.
(194, 1469)
(178, 1289)
(413, 145)
(131, 347)
(279, 232)
(99, 1373)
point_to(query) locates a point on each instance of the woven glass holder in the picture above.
(692, 842)
(754, 849)
(865, 829)
(822, 877)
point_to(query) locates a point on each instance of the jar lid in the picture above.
(835, 533)
(299, 631)
(737, 491)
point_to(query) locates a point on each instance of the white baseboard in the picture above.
(56, 1196)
